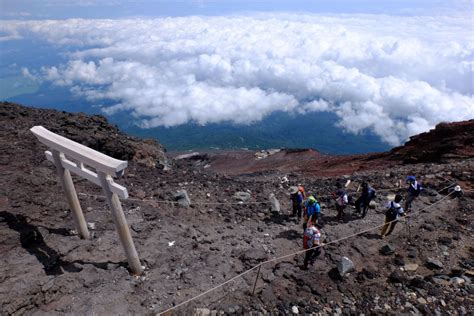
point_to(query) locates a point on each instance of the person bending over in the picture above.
(392, 215)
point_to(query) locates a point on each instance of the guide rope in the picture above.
(151, 201)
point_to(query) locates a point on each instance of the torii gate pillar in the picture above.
(71, 196)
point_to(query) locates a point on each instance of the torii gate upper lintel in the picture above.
(60, 148)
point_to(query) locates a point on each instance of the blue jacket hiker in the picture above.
(413, 191)
(312, 211)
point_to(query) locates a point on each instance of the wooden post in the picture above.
(121, 224)
(68, 187)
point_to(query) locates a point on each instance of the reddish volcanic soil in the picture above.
(304, 161)
(448, 141)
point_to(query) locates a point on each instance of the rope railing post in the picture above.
(256, 279)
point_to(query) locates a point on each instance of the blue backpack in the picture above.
(312, 209)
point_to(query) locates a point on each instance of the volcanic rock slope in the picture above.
(46, 268)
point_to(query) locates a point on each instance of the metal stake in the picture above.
(256, 279)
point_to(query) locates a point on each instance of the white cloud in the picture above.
(25, 72)
(396, 76)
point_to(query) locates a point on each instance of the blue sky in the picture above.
(64, 9)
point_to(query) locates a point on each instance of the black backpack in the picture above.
(392, 212)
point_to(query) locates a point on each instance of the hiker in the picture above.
(413, 191)
(341, 201)
(301, 190)
(392, 214)
(368, 193)
(311, 241)
(296, 198)
(312, 212)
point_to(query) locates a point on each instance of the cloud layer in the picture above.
(396, 76)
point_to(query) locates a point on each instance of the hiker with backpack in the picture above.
(311, 241)
(368, 193)
(312, 212)
(392, 215)
(413, 191)
(296, 198)
(341, 201)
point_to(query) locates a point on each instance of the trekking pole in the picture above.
(256, 279)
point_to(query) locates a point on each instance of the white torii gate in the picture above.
(60, 149)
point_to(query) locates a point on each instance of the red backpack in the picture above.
(309, 236)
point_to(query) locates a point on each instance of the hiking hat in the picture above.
(411, 178)
(457, 188)
(293, 190)
(312, 199)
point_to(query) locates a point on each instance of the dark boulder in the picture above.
(387, 250)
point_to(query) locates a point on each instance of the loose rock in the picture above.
(202, 312)
(373, 205)
(434, 264)
(274, 204)
(242, 196)
(344, 266)
(445, 240)
(387, 250)
(182, 198)
(295, 310)
(410, 267)
(441, 280)
(397, 277)
(428, 227)
(457, 281)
